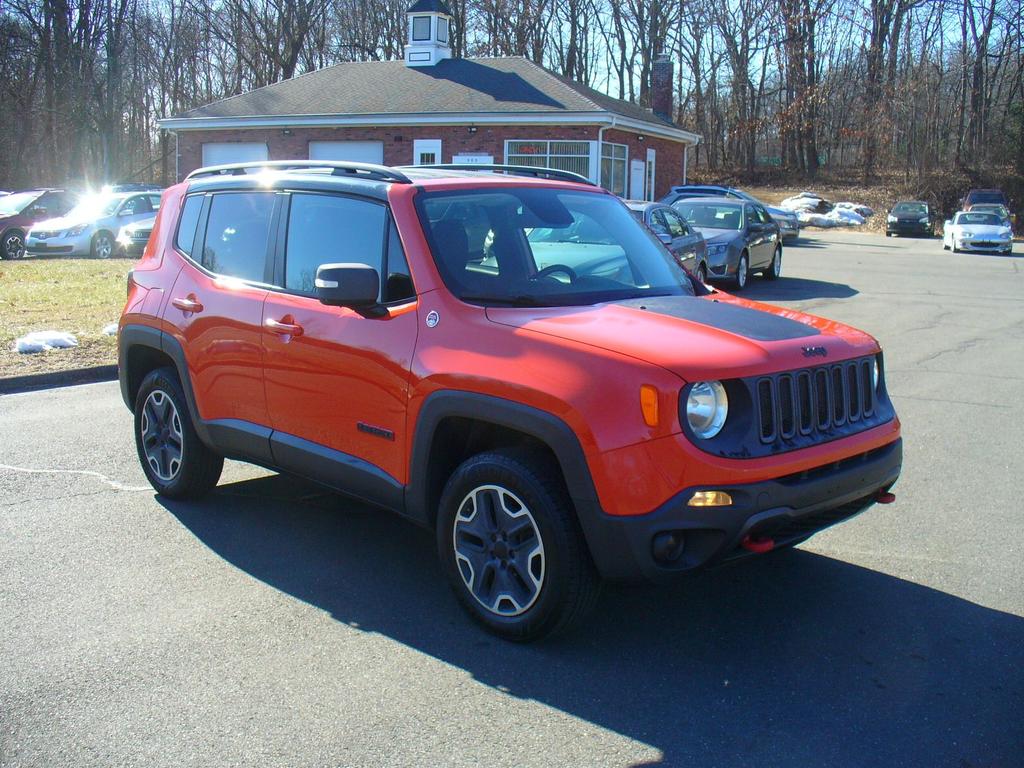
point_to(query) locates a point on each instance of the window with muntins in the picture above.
(562, 155)
(613, 168)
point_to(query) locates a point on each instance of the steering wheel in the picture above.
(551, 269)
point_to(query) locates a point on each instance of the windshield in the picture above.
(986, 197)
(545, 247)
(711, 215)
(12, 204)
(911, 209)
(95, 206)
(989, 219)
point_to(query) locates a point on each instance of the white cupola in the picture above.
(430, 30)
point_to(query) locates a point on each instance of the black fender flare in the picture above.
(133, 336)
(598, 528)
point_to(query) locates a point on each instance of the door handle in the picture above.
(188, 303)
(282, 328)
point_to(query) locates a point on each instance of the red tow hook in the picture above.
(884, 497)
(757, 545)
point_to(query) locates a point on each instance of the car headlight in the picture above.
(923, 220)
(891, 219)
(717, 250)
(707, 407)
(77, 230)
(1005, 234)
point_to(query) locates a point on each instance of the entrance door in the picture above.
(637, 174)
(426, 152)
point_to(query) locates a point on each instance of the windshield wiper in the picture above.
(508, 301)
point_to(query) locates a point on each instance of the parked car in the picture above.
(982, 196)
(553, 426)
(132, 238)
(788, 221)
(741, 238)
(685, 243)
(89, 229)
(909, 217)
(133, 186)
(998, 209)
(20, 210)
(977, 231)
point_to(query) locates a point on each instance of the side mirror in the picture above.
(347, 285)
(665, 237)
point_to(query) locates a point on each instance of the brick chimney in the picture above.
(662, 86)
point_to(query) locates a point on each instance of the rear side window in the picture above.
(398, 285)
(238, 234)
(328, 229)
(675, 224)
(187, 224)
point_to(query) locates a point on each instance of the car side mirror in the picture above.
(665, 237)
(347, 285)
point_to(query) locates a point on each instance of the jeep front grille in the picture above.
(815, 401)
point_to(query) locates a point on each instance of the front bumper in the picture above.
(786, 511)
(77, 245)
(909, 228)
(984, 246)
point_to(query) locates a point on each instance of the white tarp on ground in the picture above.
(41, 341)
(110, 330)
(814, 211)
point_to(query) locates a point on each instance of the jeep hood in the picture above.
(709, 337)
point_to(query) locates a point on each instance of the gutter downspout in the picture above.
(686, 156)
(600, 144)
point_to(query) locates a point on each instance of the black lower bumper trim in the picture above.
(786, 510)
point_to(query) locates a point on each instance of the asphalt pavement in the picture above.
(275, 624)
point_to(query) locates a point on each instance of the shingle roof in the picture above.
(429, 6)
(512, 85)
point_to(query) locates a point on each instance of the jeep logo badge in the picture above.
(814, 351)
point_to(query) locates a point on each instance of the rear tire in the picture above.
(12, 246)
(176, 462)
(499, 502)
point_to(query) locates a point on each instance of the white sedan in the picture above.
(976, 231)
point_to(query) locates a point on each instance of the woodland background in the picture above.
(798, 89)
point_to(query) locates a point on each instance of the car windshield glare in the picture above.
(989, 219)
(95, 206)
(712, 215)
(542, 246)
(14, 204)
(911, 209)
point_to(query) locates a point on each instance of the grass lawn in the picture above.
(80, 296)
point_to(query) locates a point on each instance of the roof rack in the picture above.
(367, 171)
(512, 170)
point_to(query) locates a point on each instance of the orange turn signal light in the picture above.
(649, 404)
(710, 499)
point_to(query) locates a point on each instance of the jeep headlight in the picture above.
(707, 407)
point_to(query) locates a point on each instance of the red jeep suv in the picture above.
(505, 356)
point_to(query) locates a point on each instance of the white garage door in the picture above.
(354, 151)
(221, 153)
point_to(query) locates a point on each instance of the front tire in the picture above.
(177, 463)
(702, 274)
(102, 245)
(13, 244)
(774, 271)
(742, 272)
(511, 547)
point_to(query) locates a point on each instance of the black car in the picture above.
(909, 217)
(685, 243)
(741, 238)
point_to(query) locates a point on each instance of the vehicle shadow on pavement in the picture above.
(794, 289)
(795, 659)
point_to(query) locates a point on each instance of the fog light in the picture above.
(710, 499)
(668, 546)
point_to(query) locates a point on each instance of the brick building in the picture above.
(432, 108)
